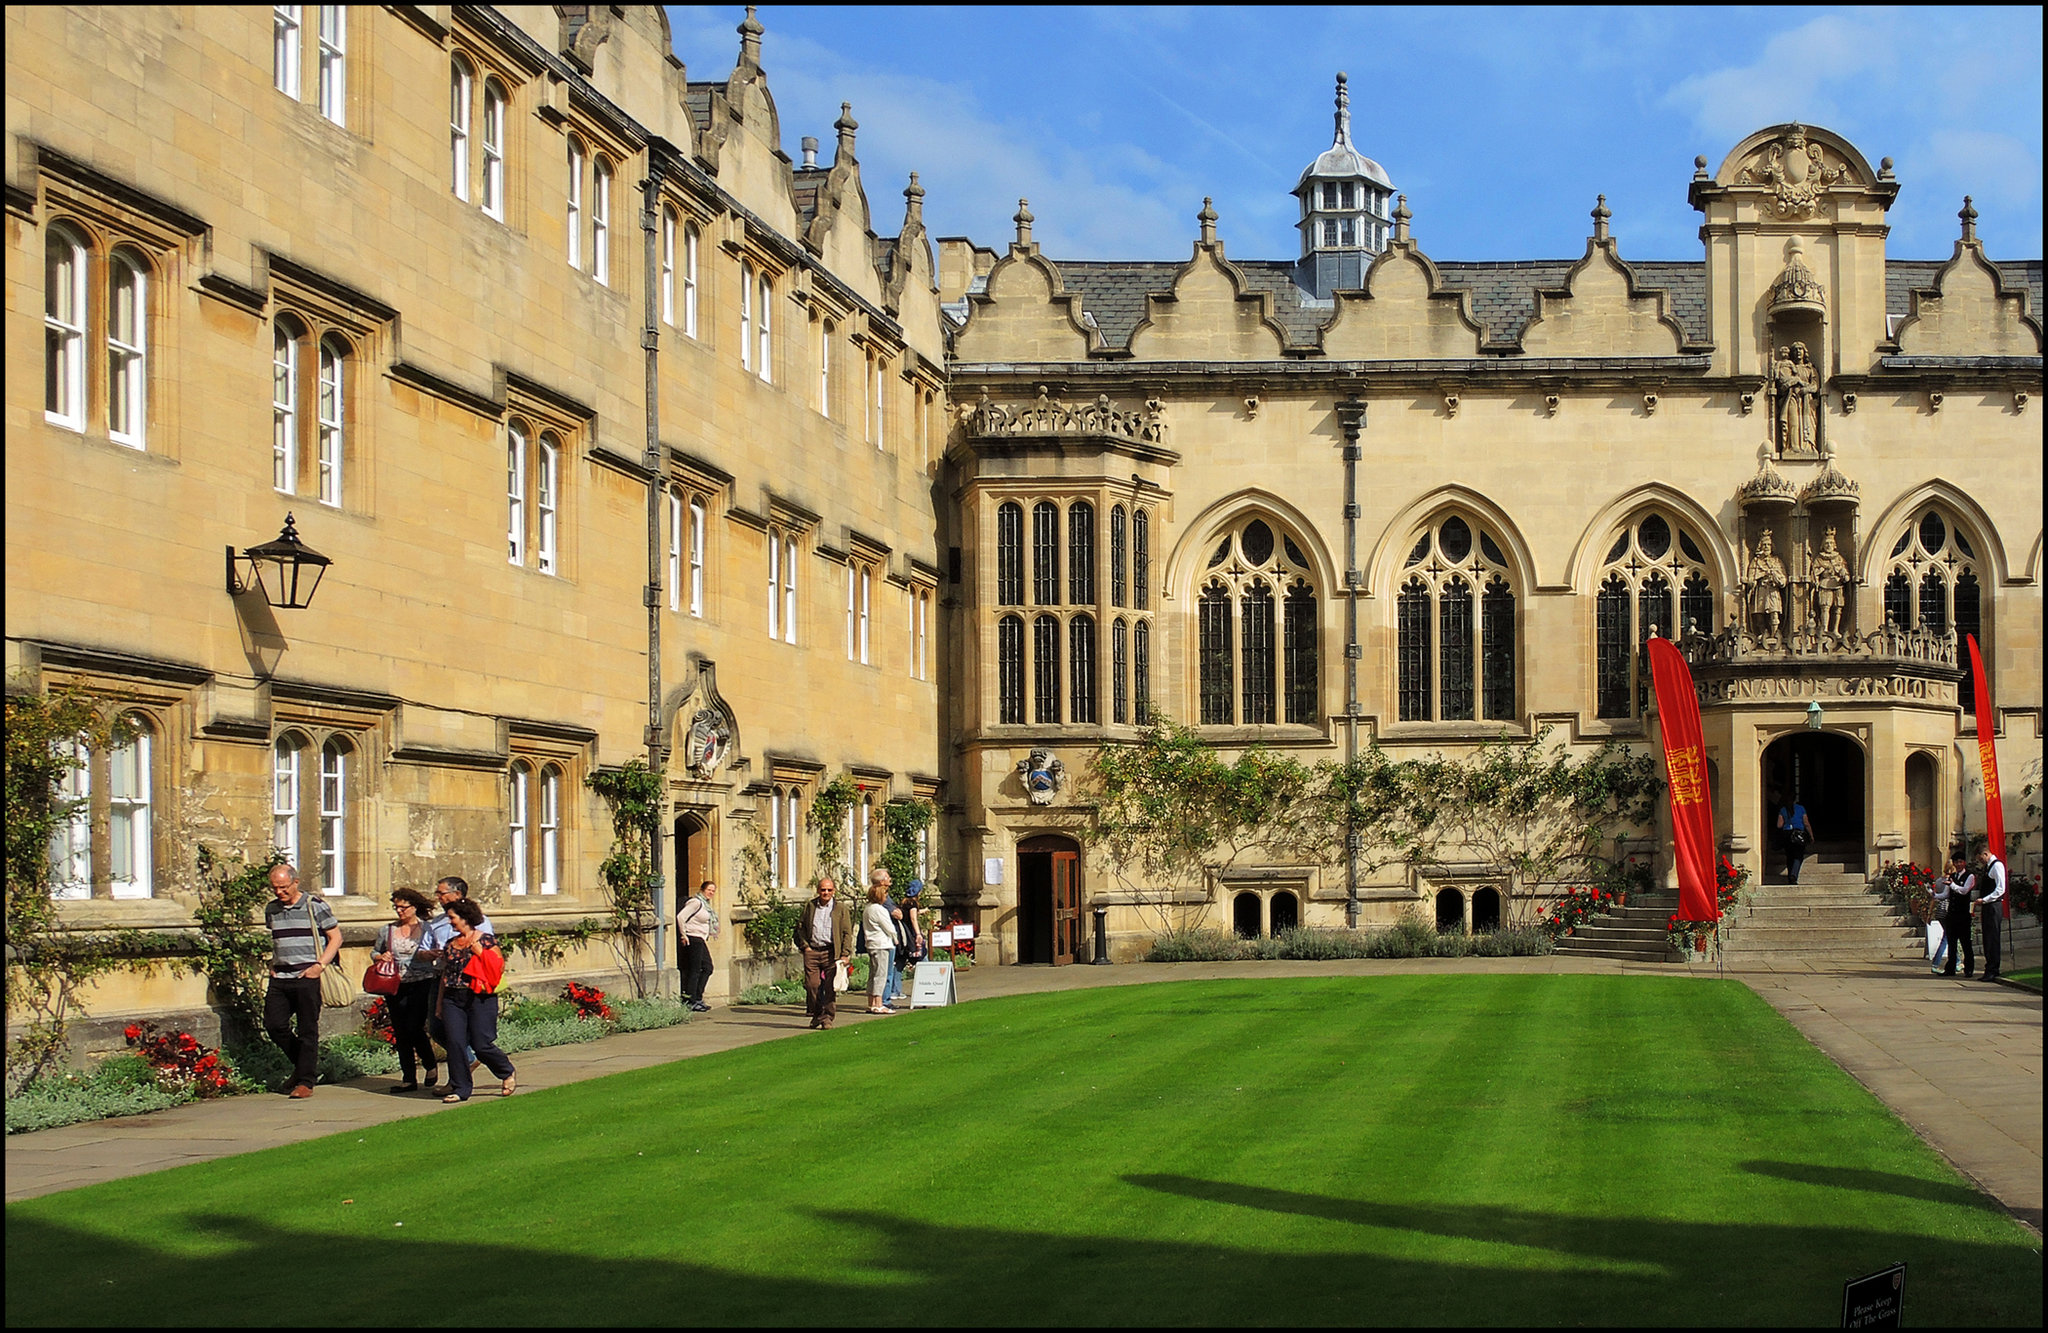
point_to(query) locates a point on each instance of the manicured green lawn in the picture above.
(1423, 1149)
(2026, 976)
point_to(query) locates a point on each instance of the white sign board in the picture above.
(992, 870)
(931, 985)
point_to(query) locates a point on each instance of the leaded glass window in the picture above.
(1010, 555)
(1141, 673)
(1141, 559)
(1045, 554)
(1010, 669)
(1300, 636)
(1117, 524)
(1119, 663)
(1081, 677)
(1451, 663)
(1081, 553)
(1654, 579)
(1045, 664)
(1969, 621)
(1257, 609)
(1214, 631)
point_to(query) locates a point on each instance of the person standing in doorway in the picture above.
(305, 939)
(824, 935)
(1795, 826)
(1952, 898)
(1990, 907)
(697, 924)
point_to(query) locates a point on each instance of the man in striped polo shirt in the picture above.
(304, 940)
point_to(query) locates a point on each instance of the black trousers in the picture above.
(696, 964)
(1990, 915)
(472, 1020)
(410, 1009)
(1956, 924)
(289, 998)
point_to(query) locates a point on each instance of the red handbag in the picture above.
(485, 969)
(382, 978)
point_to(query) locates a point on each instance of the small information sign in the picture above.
(992, 870)
(1876, 1301)
(931, 985)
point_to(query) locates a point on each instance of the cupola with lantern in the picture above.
(1346, 199)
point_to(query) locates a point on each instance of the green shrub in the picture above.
(1316, 944)
(122, 1085)
(1410, 937)
(789, 990)
(645, 1015)
(527, 1036)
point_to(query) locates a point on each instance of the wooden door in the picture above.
(1066, 907)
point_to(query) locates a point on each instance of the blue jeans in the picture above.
(894, 986)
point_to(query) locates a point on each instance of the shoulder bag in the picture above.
(336, 990)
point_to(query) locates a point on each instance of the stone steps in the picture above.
(1635, 933)
(1830, 915)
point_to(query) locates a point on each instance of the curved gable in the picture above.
(1208, 316)
(1404, 311)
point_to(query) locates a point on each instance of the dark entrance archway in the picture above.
(1485, 910)
(1244, 916)
(693, 853)
(1048, 899)
(1824, 772)
(1450, 910)
(1285, 912)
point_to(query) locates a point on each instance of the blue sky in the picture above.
(1500, 125)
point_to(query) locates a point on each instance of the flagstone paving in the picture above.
(1959, 1061)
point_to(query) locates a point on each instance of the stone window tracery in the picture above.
(1081, 553)
(1455, 626)
(1010, 554)
(1933, 583)
(1010, 669)
(1256, 631)
(1118, 545)
(1045, 554)
(1653, 580)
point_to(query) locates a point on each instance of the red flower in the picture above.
(132, 1031)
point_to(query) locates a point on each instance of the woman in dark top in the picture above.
(402, 942)
(471, 1018)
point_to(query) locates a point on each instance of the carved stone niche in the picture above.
(1829, 542)
(1764, 599)
(1794, 356)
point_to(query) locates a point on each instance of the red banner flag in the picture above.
(1685, 769)
(1987, 755)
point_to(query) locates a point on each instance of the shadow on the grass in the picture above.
(869, 1268)
(1875, 1182)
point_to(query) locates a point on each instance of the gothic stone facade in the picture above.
(942, 523)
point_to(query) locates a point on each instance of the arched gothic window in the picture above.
(1653, 580)
(1010, 669)
(1455, 626)
(1117, 546)
(1255, 631)
(1045, 662)
(1081, 674)
(1081, 553)
(1045, 553)
(1933, 584)
(1010, 554)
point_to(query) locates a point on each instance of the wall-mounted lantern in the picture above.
(293, 571)
(1813, 715)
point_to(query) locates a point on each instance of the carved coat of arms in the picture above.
(1043, 776)
(1793, 168)
(710, 738)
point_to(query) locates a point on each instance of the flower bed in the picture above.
(1692, 936)
(172, 1068)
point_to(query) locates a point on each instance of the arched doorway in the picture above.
(693, 853)
(1245, 912)
(1285, 911)
(1450, 910)
(1048, 899)
(1486, 909)
(1921, 786)
(1824, 772)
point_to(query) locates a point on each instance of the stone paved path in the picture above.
(1961, 1062)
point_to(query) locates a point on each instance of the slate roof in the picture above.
(1902, 277)
(807, 186)
(1503, 294)
(699, 98)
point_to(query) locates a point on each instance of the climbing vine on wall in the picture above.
(633, 795)
(828, 825)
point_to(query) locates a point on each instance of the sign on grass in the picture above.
(931, 985)
(1875, 1301)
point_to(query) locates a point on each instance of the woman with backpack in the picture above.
(1796, 828)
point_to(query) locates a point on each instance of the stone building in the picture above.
(628, 434)
(1365, 495)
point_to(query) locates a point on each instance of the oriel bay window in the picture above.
(1256, 604)
(1653, 581)
(1010, 669)
(1010, 554)
(1045, 553)
(1455, 626)
(1081, 553)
